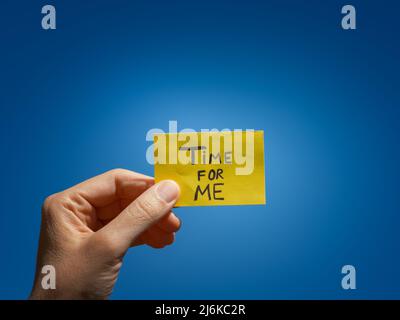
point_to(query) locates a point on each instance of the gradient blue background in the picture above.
(79, 100)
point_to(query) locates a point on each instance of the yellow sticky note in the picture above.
(213, 168)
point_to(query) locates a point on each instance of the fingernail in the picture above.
(168, 190)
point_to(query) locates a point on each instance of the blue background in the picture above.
(79, 101)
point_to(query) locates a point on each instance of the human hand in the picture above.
(87, 229)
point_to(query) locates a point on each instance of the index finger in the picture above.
(112, 185)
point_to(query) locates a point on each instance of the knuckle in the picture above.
(171, 239)
(51, 202)
(118, 171)
(157, 245)
(162, 241)
(145, 209)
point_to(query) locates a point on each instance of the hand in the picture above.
(87, 229)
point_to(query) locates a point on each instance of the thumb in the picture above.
(141, 214)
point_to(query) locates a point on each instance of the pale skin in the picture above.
(87, 229)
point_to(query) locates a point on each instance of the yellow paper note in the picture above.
(213, 168)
